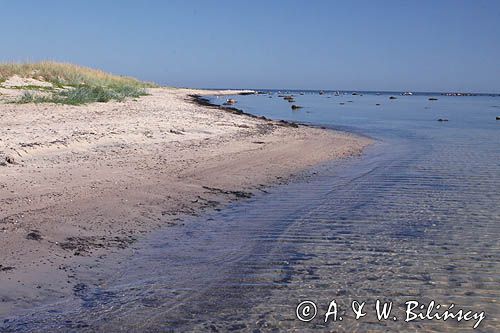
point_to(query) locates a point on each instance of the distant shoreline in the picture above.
(382, 92)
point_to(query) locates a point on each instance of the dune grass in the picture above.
(31, 97)
(74, 84)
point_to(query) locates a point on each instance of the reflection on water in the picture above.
(416, 218)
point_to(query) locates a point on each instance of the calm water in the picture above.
(416, 218)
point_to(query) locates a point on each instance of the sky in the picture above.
(435, 45)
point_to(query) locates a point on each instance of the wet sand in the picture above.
(84, 182)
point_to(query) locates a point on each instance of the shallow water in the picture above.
(416, 218)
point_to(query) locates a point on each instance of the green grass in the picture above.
(80, 85)
(88, 94)
(83, 95)
(30, 97)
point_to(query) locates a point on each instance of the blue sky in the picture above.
(419, 45)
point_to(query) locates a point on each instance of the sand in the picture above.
(88, 181)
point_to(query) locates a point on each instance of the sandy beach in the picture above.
(86, 181)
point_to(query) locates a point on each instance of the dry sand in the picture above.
(89, 180)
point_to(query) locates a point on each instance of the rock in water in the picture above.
(442, 119)
(295, 107)
(230, 102)
(392, 97)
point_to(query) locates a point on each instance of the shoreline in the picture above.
(205, 102)
(89, 181)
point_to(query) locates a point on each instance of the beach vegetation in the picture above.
(73, 84)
